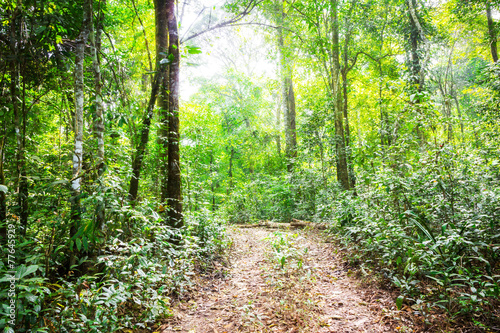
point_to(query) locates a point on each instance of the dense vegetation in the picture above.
(132, 132)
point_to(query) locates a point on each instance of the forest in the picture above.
(249, 166)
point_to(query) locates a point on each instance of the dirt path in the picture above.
(312, 292)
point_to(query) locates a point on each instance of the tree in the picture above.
(76, 182)
(95, 40)
(287, 92)
(174, 192)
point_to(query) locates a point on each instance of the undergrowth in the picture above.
(131, 287)
(430, 226)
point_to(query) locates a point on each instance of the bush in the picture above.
(431, 225)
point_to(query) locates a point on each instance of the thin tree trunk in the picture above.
(347, 131)
(230, 173)
(79, 103)
(278, 128)
(144, 138)
(163, 57)
(492, 33)
(174, 170)
(383, 125)
(3, 141)
(212, 184)
(459, 115)
(288, 95)
(417, 77)
(19, 119)
(3, 203)
(342, 168)
(158, 94)
(95, 38)
(290, 130)
(23, 179)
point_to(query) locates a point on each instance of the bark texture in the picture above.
(416, 68)
(492, 33)
(288, 94)
(79, 103)
(162, 59)
(174, 191)
(340, 145)
(95, 38)
(3, 203)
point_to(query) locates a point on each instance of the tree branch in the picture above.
(248, 9)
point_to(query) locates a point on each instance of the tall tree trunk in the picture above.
(278, 127)
(288, 95)
(492, 33)
(3, 197)
(212, 183)
(290, 129)
(345, 96)
(23, 177)
(79, 103)
(144, 137)
(383, 126)
(350, 167)
(457, 103)
(19, 117)
(230, 173)
(174, 184)
(95, 38)
(340, 144)
(159, 87)
(163, 57)
(416, 68)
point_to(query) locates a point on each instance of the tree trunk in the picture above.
(230, 173)
(23, 179)
(79, 103)
(159, 92)
(95, 38)
(212, 183)
(162, 58)
(416, 70)
(290, 129)
(492, 33)
(454, 95)
(278, 128)
(3, 203)
(288, 95)
(174, 170)
(144, 137)
(342, 168)
(19, 119)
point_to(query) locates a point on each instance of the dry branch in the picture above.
(295, 224)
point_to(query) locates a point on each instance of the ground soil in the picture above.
(315, 291)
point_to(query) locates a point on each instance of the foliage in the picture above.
(132, 283)
(431, 224)
(420, 119)
(286, 251)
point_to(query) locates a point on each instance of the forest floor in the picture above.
(255, 294)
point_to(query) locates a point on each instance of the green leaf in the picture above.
(424, 230)
(23, 271)
(57, 182)
(399, 302)
(78, 244)
(193, 49)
